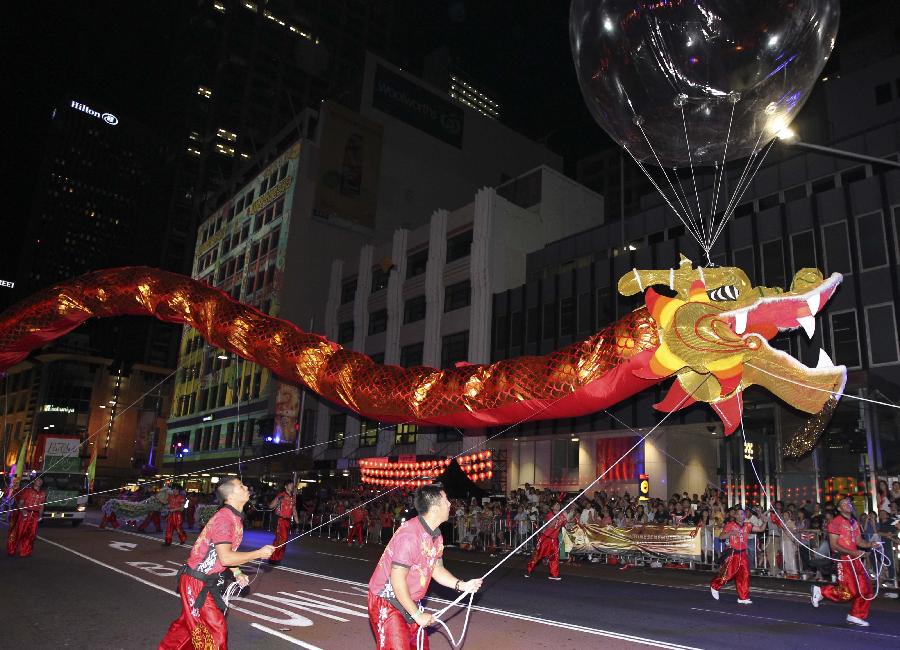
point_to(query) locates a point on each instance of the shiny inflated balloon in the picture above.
(659, 76)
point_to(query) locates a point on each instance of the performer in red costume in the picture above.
(853, 580)
(358, 517)
(736, 565)
(151, 518)
(412, 558)
(284, 505)
(202, 621)
(20, 538)
(548, 544)
(176, 516)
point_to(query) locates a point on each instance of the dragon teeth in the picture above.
(740, 322)
(824, 360)
(813, 303)
(808, 323)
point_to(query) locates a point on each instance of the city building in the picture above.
(241, 71)
(803, 209)
(424, 297)
(119, 409)
(97, 205)
(271, 244)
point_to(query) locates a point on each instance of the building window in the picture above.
(380, 278)
(567, 316)
(533, 325)
(414, 309)
(795, 193)
(337, 430)
(454, 347)
(872, 241)
(348, 291)
(411, 355)
(837, 250)
(853, 175)
(378, 321)
(448, 434)
(368, 433)
(551, 317)
(564, 462)
(845, 338)
(769, 201)
(405, 434)
(744, 259)
(773, 264)
(515, 329)
(345, 332)
(585, 312)
(823, 184)
(229, 435)
(883, 94)
(459, 246)
(881, 327)
(501, 332)
(416, 263)
(803, 249)
(457, 296)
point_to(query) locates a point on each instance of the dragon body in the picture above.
(713, 348)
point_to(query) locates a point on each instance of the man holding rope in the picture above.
(548, 543)
(23, 522)
(853, 580)
(202, 621)
(412, 558)
(284, 506)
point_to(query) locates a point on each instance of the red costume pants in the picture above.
(547, 547)
(356, 533)
(736, 567)
(174, 526)
(853, 584)
(20, 538)
(391, 630)
(109, 519)
(282, 530)
(152, 518)
(207, 630)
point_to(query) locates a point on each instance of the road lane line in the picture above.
(782, 620)
(108, 566)
(346, 557)
(291, 639)
(522, 617)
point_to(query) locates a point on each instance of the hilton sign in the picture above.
(109, 118)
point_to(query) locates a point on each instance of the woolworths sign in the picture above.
(395, 95)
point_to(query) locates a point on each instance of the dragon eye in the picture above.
(728, 292)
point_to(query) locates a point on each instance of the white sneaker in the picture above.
(527, 575)
(714, 592)
(553, 578)
(744, 601)
(816, 596)
(857, 621)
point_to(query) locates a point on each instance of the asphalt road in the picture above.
(87, 588)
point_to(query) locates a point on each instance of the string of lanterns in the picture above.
(477, 467)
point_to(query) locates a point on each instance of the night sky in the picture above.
(117, 53)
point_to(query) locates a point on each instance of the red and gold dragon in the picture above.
(710, 334)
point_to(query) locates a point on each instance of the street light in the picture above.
(789, 136)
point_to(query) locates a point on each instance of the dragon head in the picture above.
(714, 338)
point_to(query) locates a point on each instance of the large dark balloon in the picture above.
(675, 65)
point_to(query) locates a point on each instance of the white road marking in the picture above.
(123, 546)
(783, 620)
(291, 639)
(345, 557)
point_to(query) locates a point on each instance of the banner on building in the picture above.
(349, 166)
(609, 453)
(287, 409)
(396, 95)
(658, 539)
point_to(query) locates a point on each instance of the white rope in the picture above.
(718, 185)
(436, 617)
(878, 551)
(693, 176)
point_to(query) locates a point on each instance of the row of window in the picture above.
(458, 247)
(404, 434)
(217, 396)
(456, 296)
(454, 348)
(237, 434)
